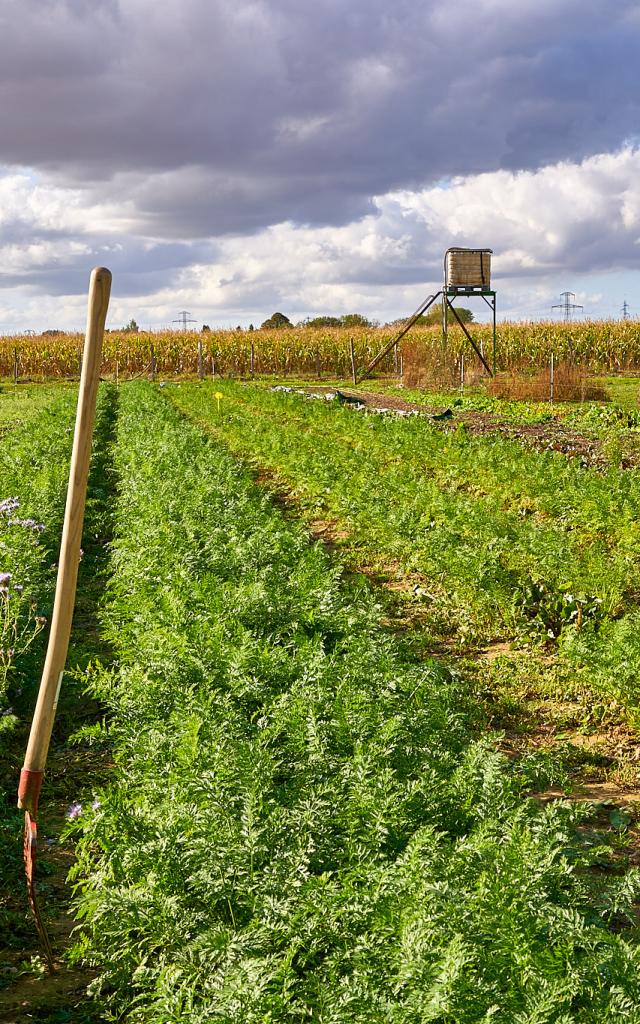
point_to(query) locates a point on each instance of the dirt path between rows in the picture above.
(551, 435)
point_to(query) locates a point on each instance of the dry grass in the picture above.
(570, 385)
(428, 365)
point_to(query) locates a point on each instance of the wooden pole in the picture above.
(15, 366)
(354, 369)
(253, 358)
(200, 362)
(551, 379)
(153, 363)
(213, 367)
(317, 364)
(42, 725)
(462, 372)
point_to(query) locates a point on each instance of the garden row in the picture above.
(300, 824)
(34, 455)
(35, 445)
(36, 428)
(509, 542)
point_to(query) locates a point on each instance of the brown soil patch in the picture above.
(496, 650)
(27, 991)
(551, 435)
(596, 792)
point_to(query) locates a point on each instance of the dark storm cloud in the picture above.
(141, 269)
(214, 117)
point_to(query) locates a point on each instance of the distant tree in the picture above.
(52, 332)
(434, 316)
(131, 327)
(250, 327)
(276, 320)
(348, 320)
(239, 327)
(205, 328)
(321, 321)
(356, 320)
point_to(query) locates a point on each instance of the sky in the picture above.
(236, 157)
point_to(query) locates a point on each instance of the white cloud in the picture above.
(548, 229)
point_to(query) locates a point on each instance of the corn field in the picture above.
(595, 346)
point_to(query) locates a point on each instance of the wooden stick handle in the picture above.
(42, 725)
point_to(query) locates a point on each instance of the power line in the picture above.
(184, 318)
(567, 306)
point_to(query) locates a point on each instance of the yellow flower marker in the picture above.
(218, 395)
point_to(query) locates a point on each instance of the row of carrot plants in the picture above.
(35, 445)
(511, 542)
(300, 823)
(36, 426)
(34, 455)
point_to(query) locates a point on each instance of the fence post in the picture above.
(213, 367)
(462, 372)
(396, 365)
(354, 369)
(200, 364)
(317, 364)
(153, 363)
(551, 379)
(15, 366)
(117, 370)
(253, 358)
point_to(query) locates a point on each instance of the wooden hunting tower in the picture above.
(467, 272)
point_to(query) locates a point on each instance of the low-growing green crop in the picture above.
(33, 468)
(509, 541)
(301, 826)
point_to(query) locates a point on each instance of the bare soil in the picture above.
(28, 992)
(552, 435)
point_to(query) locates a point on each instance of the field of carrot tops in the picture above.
(351, 712)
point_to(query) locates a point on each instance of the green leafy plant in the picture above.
(303, 822)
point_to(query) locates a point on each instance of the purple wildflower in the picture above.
(5, 578)
(9, 505)
(95, 805)
(74, 811)
(28, 524)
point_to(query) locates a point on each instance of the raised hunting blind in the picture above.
(467, 268)
(467, 272)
